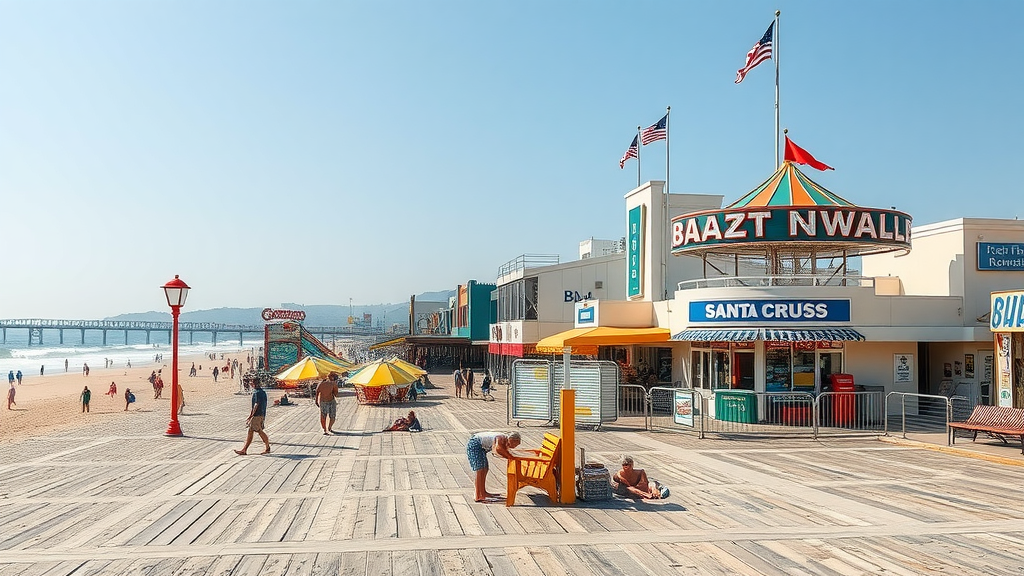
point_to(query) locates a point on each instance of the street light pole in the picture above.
(176, 292)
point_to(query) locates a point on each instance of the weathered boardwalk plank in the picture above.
(363, 502)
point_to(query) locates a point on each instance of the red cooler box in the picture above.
(844, 407)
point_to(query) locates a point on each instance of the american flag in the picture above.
(759, 53)
(655, 132)
(630, 153)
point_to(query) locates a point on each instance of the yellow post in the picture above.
(567, 426)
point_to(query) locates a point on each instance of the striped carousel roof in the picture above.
(788, 186)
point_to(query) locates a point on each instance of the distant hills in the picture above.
(316, 315)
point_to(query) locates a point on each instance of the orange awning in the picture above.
(590, 338)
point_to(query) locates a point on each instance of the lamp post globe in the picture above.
(176, 292)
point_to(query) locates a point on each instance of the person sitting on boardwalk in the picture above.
(408, 424)
(476, 450)
(633, 482)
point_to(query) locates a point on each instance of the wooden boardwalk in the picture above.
(117, 497)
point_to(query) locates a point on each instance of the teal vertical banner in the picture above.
(635, 252)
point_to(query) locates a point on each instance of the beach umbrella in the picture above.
(309, 368)
(407, 366)
(381, 373)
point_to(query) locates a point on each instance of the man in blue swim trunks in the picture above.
(476, 450)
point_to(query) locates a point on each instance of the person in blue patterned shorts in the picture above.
(476, 450)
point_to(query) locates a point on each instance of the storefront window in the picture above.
(801, 366)
(778, 366)
(710, 369)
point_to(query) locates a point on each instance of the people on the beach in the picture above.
(324, 397)
(215, 373)
(44, 366)
(10, 377)
(476, 450)
(256, 418)
(630, 481)
(128, 398)
(459, 382)
(18, 376)
(86, 396)
(407, 424)
(112, 391)
(10, 397)
(65, 366)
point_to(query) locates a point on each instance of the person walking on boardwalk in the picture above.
(476, 450)
(86, 396)
(459, 382)
(326, 392)
(469, 383)
(256, 418)
(10, 397)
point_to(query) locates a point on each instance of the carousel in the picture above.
(789, 231)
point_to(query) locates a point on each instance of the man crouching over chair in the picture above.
(476, 450)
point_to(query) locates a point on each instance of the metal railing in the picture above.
(524, 261)
(778, 280)
(764, 413)
(633, 402)
(919, 414)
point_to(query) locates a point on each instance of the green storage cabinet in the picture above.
(736, 406)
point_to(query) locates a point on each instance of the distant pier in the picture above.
(36, 328)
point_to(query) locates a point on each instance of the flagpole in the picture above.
(775, 51)
(638, 147)
(664, 207)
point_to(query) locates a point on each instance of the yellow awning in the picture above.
(580, 339)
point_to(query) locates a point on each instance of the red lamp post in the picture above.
(176, 292)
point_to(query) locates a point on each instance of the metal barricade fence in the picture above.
(660, 408)
(849, 411)
(924, 416)
(633, 402)
(762, 413)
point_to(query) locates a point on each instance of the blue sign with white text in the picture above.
(1000, 256)
(788, 310)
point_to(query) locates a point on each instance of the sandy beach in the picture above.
(53, 402)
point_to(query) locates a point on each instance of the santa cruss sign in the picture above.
(752, 226)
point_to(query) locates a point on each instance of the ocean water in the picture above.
(16, 354)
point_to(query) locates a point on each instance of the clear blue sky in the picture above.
(314, 152)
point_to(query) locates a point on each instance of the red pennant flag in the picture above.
(797, 154)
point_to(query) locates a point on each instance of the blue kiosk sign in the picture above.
(775, 310)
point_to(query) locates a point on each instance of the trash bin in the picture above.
(844, 408)
(736, 406)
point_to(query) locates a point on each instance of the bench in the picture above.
(998, 421)
(539, 470)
